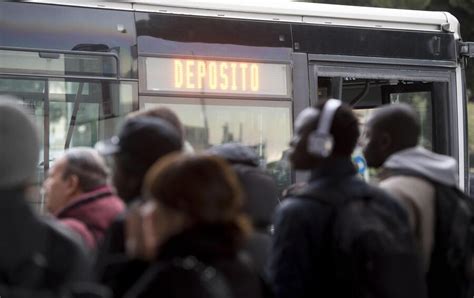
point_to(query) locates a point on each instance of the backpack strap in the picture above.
(211, 279)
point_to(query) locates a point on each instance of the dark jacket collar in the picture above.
(86, 198)
(333, 168)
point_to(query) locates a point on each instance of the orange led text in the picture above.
(216, 75)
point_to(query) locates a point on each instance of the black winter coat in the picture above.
(38, 258)
(113, 267)
(211, 246)
(300, 263)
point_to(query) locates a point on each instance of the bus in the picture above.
(232, 72)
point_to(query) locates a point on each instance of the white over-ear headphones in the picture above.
(320, 141)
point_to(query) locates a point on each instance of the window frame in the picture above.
(445, 111)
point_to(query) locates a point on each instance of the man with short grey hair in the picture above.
(78, 195)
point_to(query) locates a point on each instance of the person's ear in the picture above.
(72, 182)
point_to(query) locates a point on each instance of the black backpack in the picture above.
(372, 248)
(451, 271)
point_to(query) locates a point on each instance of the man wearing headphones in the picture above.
(328, 241)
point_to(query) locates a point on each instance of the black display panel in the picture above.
(212, 37)
(332, 40)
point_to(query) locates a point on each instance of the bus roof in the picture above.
(295, 12)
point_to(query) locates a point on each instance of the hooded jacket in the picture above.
(303, 260)
(261, 198)
(417, 194)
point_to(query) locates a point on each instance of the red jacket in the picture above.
(90, 214)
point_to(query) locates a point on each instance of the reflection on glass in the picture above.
(58, 64)
(263, 125)
(421, 102)
(85, 117)
(97, 107)
(470, 131)
(358, 157)
(84, 133)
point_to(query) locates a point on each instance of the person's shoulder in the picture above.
(300, 206)
(387, 200)
(114, 203)
(60, 234)
(66, 252)
(165, 278)
(404, 182)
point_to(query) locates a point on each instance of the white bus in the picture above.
(232, 72)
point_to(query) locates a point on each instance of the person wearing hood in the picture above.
(260, 194)
(38, 257)
(391, 144)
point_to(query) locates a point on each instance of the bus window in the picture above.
(71, 113)
(365, 94)
(59, 63)
(470, 130)
(418, 96)
(263, 125)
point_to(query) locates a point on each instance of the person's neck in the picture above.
(334, 166)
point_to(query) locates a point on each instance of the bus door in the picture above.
(429, 91)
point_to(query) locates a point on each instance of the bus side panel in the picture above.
(333, 40)
(54, 27)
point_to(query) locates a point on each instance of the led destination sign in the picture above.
(192, 74)
(216, 76)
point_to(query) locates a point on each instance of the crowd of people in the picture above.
(158, 220)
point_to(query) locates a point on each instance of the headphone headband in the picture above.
(327, 114)
(320, 141)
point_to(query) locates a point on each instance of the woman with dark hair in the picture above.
(192, 228)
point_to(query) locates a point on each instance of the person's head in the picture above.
(196, 190)
(79, 170)
(19, 149)
(161, 112)
(390, 129)
(141, 141)
(343, 130)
